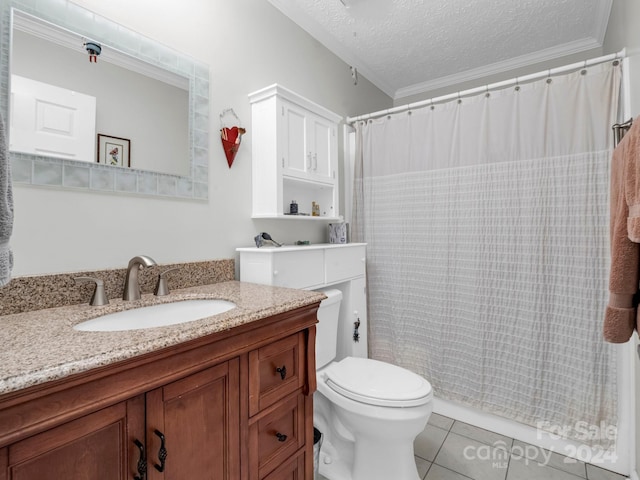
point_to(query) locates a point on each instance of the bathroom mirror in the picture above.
(150, 161)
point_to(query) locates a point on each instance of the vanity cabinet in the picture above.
(232, 405)
(94, 446)
(294, 154)
(196, 423)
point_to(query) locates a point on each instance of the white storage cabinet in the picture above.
(313, 267)
(294, 155)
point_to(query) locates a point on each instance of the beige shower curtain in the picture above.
(487, 228)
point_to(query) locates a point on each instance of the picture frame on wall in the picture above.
(114, 150)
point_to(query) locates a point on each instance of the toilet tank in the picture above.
(327, 327)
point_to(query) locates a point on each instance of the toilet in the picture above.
(369, 411)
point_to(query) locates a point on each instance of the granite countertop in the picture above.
(41, 345)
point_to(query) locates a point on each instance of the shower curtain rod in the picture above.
(493, 86)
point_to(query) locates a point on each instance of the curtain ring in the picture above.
(487, 94)
(433, 107)
(549, 77)
(517, 89)
(584, 69)
(459, 99)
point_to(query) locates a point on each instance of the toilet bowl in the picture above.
(369, 411)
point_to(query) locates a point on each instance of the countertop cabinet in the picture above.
(294, 155)
(232, 405)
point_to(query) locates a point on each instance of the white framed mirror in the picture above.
(148, 157)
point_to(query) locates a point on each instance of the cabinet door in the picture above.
(198, 421)
(296, 149)
(92, 447)
(309, 144)
(322, 145)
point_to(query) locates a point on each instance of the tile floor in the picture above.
(452, 450)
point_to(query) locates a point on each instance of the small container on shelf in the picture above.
(293, 208)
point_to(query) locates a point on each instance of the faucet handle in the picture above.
(99, 296)
(162, 287)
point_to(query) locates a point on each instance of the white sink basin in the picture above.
(156, 315)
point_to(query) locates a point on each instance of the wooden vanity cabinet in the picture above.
(196, 421)
(93, 446)
(233, 405)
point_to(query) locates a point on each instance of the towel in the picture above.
(6, 210)
(621, 315)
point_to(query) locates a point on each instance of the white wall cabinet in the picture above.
(312, 267)
(294, 155)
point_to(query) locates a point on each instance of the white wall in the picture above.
(248, 45)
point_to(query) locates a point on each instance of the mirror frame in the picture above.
(93, 177)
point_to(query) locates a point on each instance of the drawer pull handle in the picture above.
(282, 371)
(162, 453)
(142, 461)
(281, 437)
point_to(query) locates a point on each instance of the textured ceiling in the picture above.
(407, 47)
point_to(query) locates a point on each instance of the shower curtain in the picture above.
(486, 220)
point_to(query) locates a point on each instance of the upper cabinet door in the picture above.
(323, 134)
(309, 144)
(296, 150)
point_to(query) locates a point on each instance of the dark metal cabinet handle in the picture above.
(142, 461)
(281, 437)
(282, 371)
(162, 453)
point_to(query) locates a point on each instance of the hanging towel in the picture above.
(6, 210)
(621, 316)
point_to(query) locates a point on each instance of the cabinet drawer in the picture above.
(277, 435)
(344, 263)
(298, 269)
(293, 469)
(275, 371)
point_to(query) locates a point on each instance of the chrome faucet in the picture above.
(131, 286)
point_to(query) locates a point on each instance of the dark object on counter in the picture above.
(263, 238)
(293, 208)
(303, 242)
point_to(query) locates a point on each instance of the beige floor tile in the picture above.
(473, 459)
(440, 421)
(596, 473)
(525, 469)
(440, 473)
(481, 435)
(428, 442)
(546, 457)
(423, 466)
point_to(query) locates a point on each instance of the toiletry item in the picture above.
(293, 208)
(339, 232)
(315, 209)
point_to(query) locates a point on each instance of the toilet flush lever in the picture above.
(356, 333)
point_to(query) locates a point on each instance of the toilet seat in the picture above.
(377, 383)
